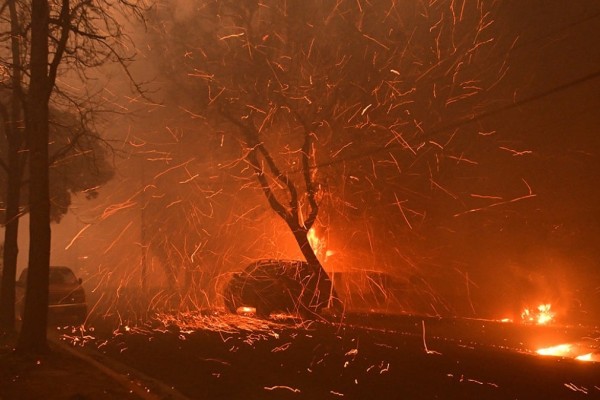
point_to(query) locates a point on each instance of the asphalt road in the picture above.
(391, 357)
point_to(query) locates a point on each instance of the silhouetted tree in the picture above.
(60, 37)
(13, 166)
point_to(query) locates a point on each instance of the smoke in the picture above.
(407, 186)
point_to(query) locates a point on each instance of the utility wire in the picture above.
(519, 46)
(467, 121)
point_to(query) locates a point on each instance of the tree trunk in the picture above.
(33, 337)
(319, 291)
(15, 140)
(301, 236)
(11, 247)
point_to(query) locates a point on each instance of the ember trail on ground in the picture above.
(224, 356)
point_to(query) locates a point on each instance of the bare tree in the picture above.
(242, 93)
(61, 38)
(78, 163)
(74, 147)
(33, 332)
(13, 129)
(369, 106)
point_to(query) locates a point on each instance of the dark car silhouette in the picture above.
(269, 286)
(66, 302)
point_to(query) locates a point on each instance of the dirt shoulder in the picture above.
(57, 375)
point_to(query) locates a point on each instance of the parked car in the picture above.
(268, 286)
(66, 302)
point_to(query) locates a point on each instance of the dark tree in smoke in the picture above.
(47, 40)
(14, 166)
(78, 164)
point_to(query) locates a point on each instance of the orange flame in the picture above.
(560, 350)
(542, 316)
(570, 351)
(318, 245)
(585, 357)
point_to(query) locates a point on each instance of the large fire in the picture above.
(543, 315)
(569, 350)
(561, 350)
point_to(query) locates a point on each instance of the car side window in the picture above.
(62, 276)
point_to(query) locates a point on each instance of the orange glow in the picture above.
(542, 316)
(246, 311)
(570, 351)
(561, 350)
(318, 245)
(314, 241)
(585, 357)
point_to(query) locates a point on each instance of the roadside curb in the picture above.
(143, 386)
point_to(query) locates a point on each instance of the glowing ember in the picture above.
(542, 316)
(246, 311)
(223, 323)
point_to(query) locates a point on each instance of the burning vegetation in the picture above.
(542, 315)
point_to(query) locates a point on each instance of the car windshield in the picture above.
(58, 276)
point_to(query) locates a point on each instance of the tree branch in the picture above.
(65, 24)
(251, 139)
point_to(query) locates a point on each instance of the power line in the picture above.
(519, 46)
(467, 121)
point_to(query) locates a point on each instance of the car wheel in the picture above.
(263, 312)
(230, 304)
